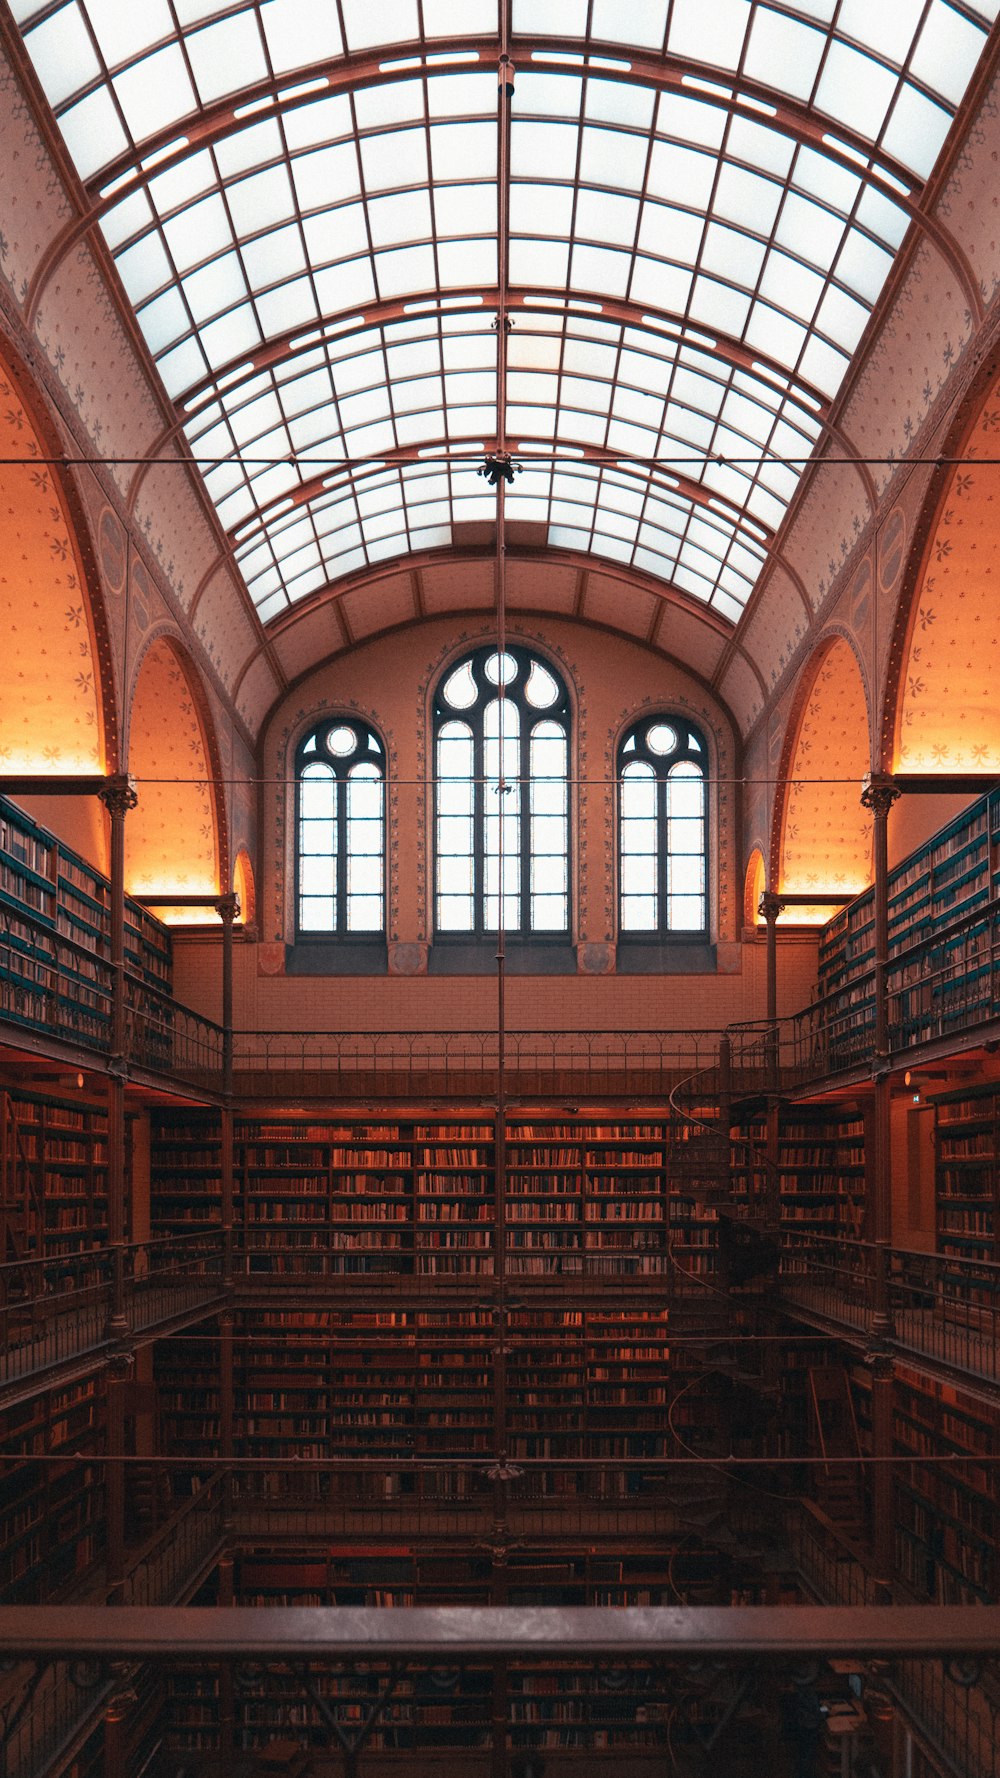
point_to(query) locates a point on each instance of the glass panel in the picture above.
(317, 913)
(460, 689)
(342, 741)
(541, 690)
(661, 738)
(317, 847)
(454, 838)
(685, 913)
(494, 671)
(638, 913)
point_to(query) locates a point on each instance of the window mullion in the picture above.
(662, 854)
(340, 908)
(479, 826)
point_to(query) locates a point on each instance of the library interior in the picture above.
(500, 1020)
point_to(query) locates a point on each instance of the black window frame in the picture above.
(368, 945)
(467, 940)
(662, 933)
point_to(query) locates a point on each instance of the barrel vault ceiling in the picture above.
(681, 214)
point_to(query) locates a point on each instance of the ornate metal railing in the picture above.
(56, 1308)
(962, 1720)
(463, 1062)
(940, 1306)
(52, 1711)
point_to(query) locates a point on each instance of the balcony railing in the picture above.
(960, 1720)
(55, 1309)
(397, 1063)
(64, 1706)
(50, 983)
(941, 1307)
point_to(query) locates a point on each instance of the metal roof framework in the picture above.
(700, 207)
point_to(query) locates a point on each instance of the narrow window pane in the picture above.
(455, 913)
(686, 913)
(316, 913)
(317, 848)
(365, 844)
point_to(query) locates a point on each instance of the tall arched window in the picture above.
(340, 790)
(662, 848)
(501, 766)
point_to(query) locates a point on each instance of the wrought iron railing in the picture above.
(165, 1037)
(962, 1720)
(55, 1710)
(940, 1307)
(182, 1551)
(453, 1061)
(56, 1308)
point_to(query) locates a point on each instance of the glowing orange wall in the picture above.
(170, 838)
(50, 702)
(948, 716)
(825, 840)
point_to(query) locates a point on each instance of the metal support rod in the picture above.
(505, 89)
(227, 1688)
(770, 907)
(228, 908)
(879, 795)
(883, 1489)
(115, 1484)
(118, 795)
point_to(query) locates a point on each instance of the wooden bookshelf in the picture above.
(945, 1517)
(57, 934)
(54, 1177)
(52, 1513)
(822, 1161)
(185, 1170)
(942, 891)
(967, 1166)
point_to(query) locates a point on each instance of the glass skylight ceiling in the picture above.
(705, 202)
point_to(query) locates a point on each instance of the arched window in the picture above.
(501, 767)
(663, 878)
(340, 789)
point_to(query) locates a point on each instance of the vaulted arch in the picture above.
(175, 835)
(943, 701)
(56, 698)
(823, 833)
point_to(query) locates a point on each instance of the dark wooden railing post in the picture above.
(114, 1491)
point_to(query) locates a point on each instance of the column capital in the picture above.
(228, 907)
(119, 794)
(879, 792)
(770, 905)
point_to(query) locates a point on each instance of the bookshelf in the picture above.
(56, 934)
(822, 1160)
(185, 1170)
(52, 1512)
(350, 1196)
(54, 1179)
(941, 892)
(967, 1171)
(945, 1518)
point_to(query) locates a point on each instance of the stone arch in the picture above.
(56, 680)
(754, 885)
(822, 837)
(942, 698)
(176, 836)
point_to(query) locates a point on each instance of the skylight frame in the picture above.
(227, 335)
